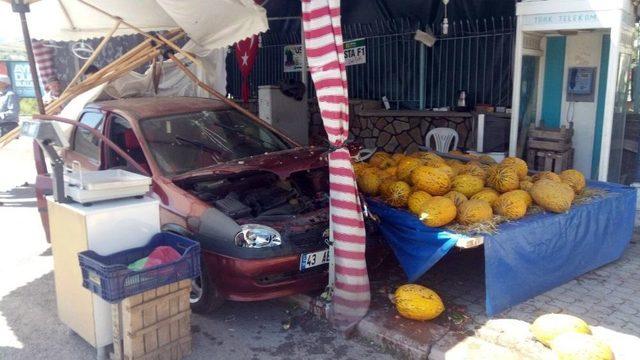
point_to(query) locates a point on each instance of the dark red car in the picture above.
(255, 200)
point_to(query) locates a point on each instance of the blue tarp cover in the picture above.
(526, 257)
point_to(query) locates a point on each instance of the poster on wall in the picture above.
(21, 80)
(293, 58)
(355, 52)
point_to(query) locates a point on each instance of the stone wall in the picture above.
(404, 131)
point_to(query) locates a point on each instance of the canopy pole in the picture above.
(223, 98)
(93, 56)
(32, 60)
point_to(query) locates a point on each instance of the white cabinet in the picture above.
(105, 227)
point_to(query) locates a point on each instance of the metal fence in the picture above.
(476, 56)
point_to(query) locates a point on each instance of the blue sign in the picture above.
(21, 80)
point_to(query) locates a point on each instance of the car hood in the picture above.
(282, 163)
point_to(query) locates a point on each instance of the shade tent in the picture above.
(65, 20)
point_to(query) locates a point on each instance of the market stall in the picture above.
(527, 257)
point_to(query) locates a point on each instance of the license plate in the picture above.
(314, 259)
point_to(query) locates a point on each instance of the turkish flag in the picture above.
(246, 52)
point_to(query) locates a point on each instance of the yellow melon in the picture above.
(438, 211)
(430, 179)
(526, 185)
(416, 201)
(467, 184)
(503, 178)
(575, 179)
(369, 183)
(391, 171)
(417, 302)
(524, 195)
(547, 327)
(358, 167)
(385, 184)
(431, 159)
(549, 175)
(398, 156)
(520, 165)
(474, 211)
(378, 158)
(397, 194)
(406, 166)
(486, 159)
(451, 173)
(474, 168)
(457, 197)
(510, 205)
(487, 194)
(552, 195)
(576, 346)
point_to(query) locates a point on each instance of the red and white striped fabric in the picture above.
(325, 54)
(44, 60)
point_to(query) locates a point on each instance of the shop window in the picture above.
(84, 142)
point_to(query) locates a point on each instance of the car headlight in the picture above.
(257, 236)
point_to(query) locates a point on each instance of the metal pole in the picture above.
(32, 61)
(423, 81)
(303, 75)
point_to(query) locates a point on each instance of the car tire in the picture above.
(204, 296)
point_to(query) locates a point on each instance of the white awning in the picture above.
(210, 23)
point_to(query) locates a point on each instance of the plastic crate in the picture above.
(108, 276)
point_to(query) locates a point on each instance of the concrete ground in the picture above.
(30, 329)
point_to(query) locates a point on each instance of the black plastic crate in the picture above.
(109, 277)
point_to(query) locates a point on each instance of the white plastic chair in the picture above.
(443, 137)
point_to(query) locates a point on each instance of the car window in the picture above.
(185, 142)
(84, 142)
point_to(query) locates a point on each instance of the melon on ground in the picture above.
(438, 211)
(524, 195)
(430, 179)
(385, 184)
(397, 194)
(503, 178)
(552, 195)
(431, 159)
(526, 185)
(417, 302)
(457, 197)
(575, 179)
(474, 211)
(467, 184)
(416, 201)
(576, 346)
(398, 156)
(547, 327)
(474, 168)
(510, 205)
(378, 158)
(487, 194)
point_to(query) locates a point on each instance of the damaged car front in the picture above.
(259, 204)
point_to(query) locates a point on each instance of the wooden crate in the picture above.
(154, 325)
(550, 160)
(558, 140)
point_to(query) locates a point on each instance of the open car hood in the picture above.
(282, 163)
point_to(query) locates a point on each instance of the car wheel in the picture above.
(204, 296)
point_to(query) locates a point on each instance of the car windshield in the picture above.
(186, 142)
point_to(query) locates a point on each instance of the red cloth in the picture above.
(246, 53)
(325, 54)
(161, 255)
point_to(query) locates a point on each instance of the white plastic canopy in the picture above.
(211, 24)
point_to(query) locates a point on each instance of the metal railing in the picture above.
(476, 56)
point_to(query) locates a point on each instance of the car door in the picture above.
(85, 148)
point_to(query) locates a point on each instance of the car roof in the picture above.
(149, 107)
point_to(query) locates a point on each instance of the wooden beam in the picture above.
(93, 56)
